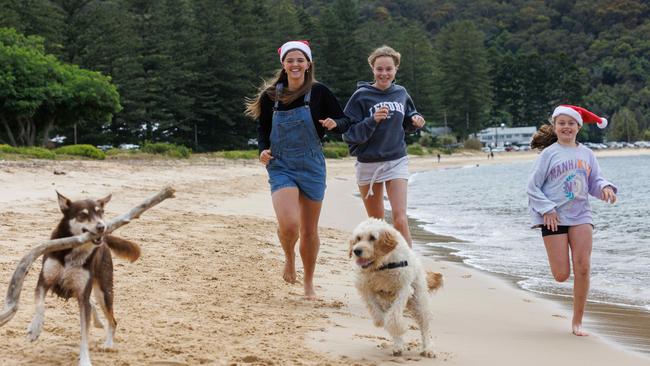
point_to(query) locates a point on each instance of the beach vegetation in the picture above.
(472, 144)
(167, 149)
(426, 140)
(416, 149)
(28, 152)
(335, 150)
(40, 94)
(238, 154)
(84, 150)
(447, 140)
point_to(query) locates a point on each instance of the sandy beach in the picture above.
(208, 287)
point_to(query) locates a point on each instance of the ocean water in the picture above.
(485, 206)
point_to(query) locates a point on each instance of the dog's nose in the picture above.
(357, 252)
(100, 227)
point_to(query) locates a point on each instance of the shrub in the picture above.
(447, 150)
(31, 152)
(646, 135)
(163, 148)
(446, 140)
(426, 140)
(335, 151)
(415, 149)
(88, 151)
(239, 154)
(473, 144)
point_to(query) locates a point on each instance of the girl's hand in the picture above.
(380, 114)
(418, 121)
(265, 156)
(608, 194)
(328, 123)
(551, 221)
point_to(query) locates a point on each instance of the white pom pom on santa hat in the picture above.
(580, 115)
(295, 45)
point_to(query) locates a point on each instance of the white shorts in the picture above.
(379, 172)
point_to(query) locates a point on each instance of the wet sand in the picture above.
(626, 326)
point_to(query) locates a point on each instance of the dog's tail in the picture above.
(434, 280)
(123, 248)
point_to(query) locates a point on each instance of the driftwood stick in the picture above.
(16, 284)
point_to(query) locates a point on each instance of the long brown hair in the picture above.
(543, 138)
(254, 105)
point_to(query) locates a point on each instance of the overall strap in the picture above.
(308, 98)
(278, 91)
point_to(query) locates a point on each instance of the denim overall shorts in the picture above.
(298, 159)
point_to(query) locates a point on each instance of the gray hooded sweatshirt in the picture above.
(373, 142)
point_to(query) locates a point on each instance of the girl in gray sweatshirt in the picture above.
(566, 173)
(380, 114)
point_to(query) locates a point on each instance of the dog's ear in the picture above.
(64, 202)
(353, 240)
(386, 242)
(103, 201)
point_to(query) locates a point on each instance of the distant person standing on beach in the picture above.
(381, 113)
(564, 175)
(293, 112)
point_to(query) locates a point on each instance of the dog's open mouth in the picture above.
(97, 240)
(364, 263)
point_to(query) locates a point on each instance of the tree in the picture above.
(464, 79)
(624, 126)
(339, 51)
(528, 86)
(37, 92)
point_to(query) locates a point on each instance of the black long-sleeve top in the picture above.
(323, 104)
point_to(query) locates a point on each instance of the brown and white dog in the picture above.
(78, 272)
(391, 279)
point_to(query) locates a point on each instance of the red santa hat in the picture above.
(295, 45)
(579, 114)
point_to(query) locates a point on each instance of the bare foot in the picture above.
(310, 294)
(577, 330)
(289, 274)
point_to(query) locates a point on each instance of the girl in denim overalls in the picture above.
(293, 113)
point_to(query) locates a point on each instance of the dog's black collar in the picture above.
(392, 265)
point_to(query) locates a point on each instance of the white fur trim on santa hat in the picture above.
(567, 111)
(295, 45)
(602, 123)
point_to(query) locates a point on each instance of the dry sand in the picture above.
(208, 287)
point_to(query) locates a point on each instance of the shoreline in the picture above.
(626, 326)
(479, 318)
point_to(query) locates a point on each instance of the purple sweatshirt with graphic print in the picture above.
(562, 180)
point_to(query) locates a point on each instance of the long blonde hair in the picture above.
(254, 105)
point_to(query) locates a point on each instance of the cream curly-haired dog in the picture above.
(391, 279)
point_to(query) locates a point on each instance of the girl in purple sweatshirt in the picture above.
(564, 175)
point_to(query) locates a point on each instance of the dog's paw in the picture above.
(398, 346)
(378, 322)
(34, 329)
(428, 353)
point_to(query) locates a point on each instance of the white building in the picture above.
(502, 136)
